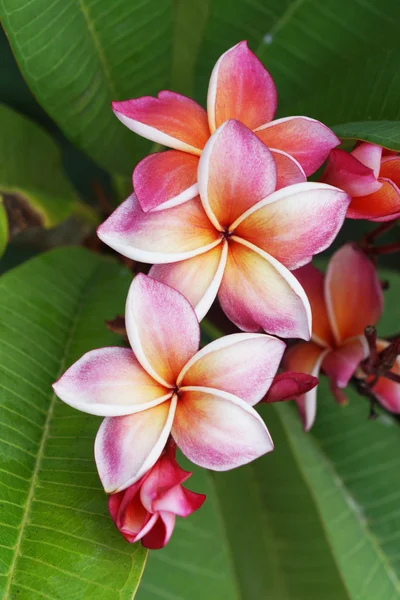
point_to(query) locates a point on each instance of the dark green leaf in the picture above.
(384, 133)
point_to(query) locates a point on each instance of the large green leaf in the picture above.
(33, 185)
(317, 518)
(56, 538)
(3, 227)
(336, 60)
(384, 133)
(78, 56)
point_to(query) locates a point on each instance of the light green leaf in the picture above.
(78, 56)
(56, 538)
(384, 133)
(317, 518)
(35, 190)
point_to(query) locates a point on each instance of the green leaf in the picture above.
(56, 538)
(317, 518)
(34, 187)
(3, 227)
(384, 133)
(336, 60)
(78, 56)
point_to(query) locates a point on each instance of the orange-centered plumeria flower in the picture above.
(371, 175)
(165, 386)
(343, 302)
(240, 88)
(239, 238)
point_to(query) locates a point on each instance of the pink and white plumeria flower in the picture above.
(146, 510)
(167, 386)
(343, 302)
(371, 175)
(238, 239)
(240, 88)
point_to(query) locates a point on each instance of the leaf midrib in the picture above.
(46, 428)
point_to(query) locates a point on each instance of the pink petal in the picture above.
(170, 119)
(369, 155)
(160, 534)
(390, 169)
(386, 390)
(197, 278)
(346, 172)
(127, 447)
(235, 171)
(257, 292)
(383, 205)
(164, 476)
(288, 170)
(165, 179)
(159, 237)
(180, 501)
(340, 364)
(290, 385)
(240, 88)
(307, 358)
(353, 293)
(243, 364)
(307, 140)
(162, 328)
(217, 430)
(109, 382)
(295, 223)
(128, 513)
(312, 281)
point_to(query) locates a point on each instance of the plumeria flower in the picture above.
(371, 176)
(147, 509)
(343, 302)
(238, 239)
(164, 386)
(240, 88)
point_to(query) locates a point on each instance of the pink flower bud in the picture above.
(147, 509)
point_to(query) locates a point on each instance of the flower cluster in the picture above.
(227, 212)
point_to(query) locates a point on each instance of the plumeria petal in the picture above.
(159, 237)
(369, 155)
(240, 88)
(341, 364)
(295, 223)
(180, 501)
(160, 533)
(243, 364)
(383, 205)
(353, 293)
(165, 179)
(312, 281)
(345, 171)
(288, 170)
(290, 385)
(257, 292)
(109, 382)
(217, 430)
(170, 119)
(197, 278)
(127, 447)
(307, 140)
(162, 328)
(386, 390)
(306, 357)
(390, 169)
(235, 171)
